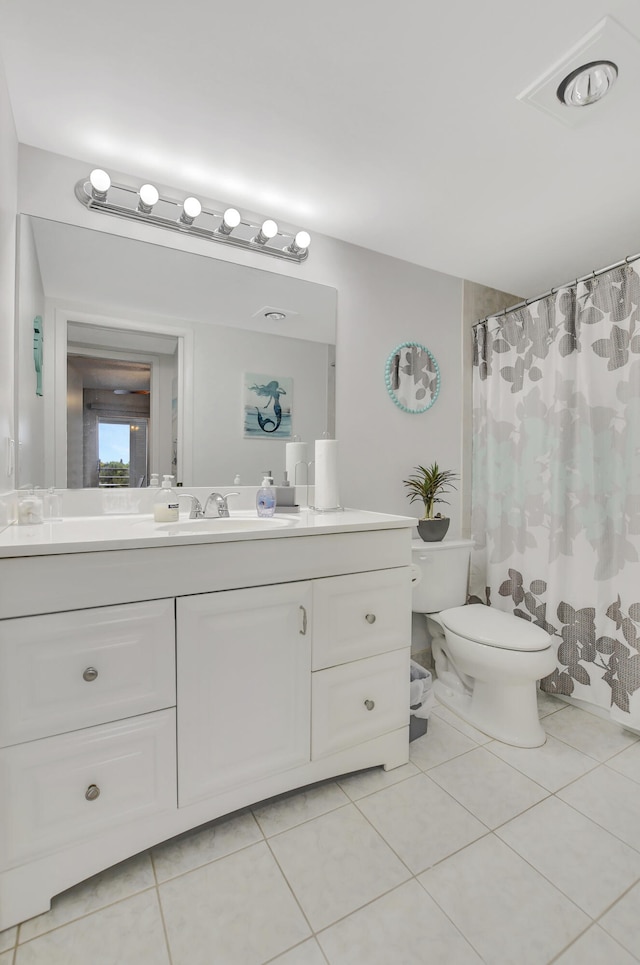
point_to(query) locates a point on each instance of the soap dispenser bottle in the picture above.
(266, 496)
(165, 505)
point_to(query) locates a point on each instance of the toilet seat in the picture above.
(493, 628)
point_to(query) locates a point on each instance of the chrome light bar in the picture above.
(99, 193)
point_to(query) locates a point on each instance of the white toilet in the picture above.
(487, 662)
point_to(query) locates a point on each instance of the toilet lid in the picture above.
(493, 628)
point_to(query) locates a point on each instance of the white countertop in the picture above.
(90, 534)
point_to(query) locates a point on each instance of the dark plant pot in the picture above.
(433, 530)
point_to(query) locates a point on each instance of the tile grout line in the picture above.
(308, 820)
(613, 903)
(160, 907)
(198, 867)
(311, 938)
(597, 823)
(414, 875)
(291, 889)
(571, 943)
(354, 800)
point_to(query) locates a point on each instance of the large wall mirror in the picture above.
(156, 350)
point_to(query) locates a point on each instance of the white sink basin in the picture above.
(231, 524)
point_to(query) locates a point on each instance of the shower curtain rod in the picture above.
(552, 291)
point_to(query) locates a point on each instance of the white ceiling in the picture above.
(392, 125)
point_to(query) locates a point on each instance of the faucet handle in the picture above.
(220, 501)
(196, 511)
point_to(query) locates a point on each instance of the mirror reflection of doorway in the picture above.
(124, 383)
(108, 413)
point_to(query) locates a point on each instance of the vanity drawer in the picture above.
(359, 701)
(72, 787)
(361, 615)
(64, 671)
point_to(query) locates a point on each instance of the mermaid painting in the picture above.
(269, 391)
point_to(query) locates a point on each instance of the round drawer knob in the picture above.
(369, 704)
(90, 674)
(92, 792)
(370, 618)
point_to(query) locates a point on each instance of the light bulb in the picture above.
(268, 230)
(148, 197)
(100, 184)
(192, 208)
(230, 220)
(299, 244)
(588, 83)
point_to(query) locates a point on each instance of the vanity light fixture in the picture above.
(99, 193)
(587, 84)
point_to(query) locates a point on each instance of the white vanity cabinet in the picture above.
(147, 691)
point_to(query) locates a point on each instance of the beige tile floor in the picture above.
(473, 852)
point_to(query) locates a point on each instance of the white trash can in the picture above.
(421, 700)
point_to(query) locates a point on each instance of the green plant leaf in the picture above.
(429, 484)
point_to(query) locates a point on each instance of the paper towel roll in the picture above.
(326, 474)
(296, 452)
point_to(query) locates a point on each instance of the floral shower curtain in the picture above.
(556, 481)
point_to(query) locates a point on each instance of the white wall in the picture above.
(381, 302)
(30, 422)
(8, 207)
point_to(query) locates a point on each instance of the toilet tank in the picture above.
(440, 574)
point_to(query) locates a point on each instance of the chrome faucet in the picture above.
(222, 510)
(196, 511)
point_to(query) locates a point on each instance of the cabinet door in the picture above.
(244, 666)
(358, 701)
(360, 615)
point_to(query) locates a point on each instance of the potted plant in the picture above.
(428, 484)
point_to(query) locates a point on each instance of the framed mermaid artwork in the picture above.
(267, 406)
